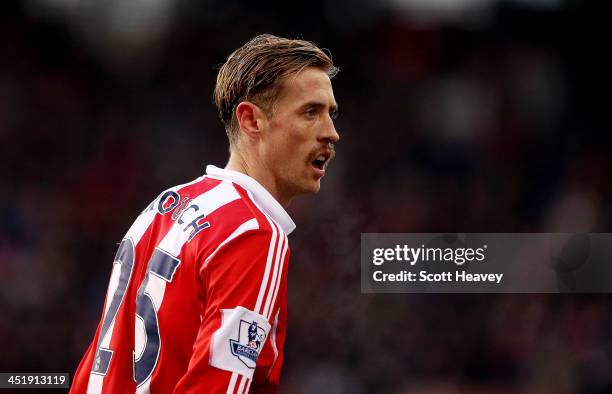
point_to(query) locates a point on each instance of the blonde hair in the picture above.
(255, 72)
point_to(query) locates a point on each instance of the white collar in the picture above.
(261, 196)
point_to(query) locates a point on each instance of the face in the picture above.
(297, 143)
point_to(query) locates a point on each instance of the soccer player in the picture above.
(197, 298)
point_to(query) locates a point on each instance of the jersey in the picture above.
(197, 297)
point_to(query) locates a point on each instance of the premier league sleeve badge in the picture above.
(248, 344)
(238, 342)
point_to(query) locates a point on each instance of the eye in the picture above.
(333, 114)
(312, 112)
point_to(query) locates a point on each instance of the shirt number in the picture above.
(160, 271)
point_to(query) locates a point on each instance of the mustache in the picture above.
(329, 149)
(332, 151)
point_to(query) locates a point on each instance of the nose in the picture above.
(334, 137)
(330, 134)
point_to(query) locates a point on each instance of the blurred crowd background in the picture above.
(455, 116)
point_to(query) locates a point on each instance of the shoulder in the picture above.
(251, 242)
(207, 196)
(239, 206)
(243, 227)
(230, 217)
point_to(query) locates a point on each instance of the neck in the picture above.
(238, 162)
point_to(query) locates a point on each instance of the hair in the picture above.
(255, 72)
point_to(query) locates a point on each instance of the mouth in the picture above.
(320, 162)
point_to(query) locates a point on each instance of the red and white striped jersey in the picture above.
(197, 297)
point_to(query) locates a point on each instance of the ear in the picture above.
(251, 119)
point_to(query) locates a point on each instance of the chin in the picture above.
(310, 188)
(314, 189)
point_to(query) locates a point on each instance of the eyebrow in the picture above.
(333, 108)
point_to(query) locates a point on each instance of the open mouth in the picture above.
(320, 161)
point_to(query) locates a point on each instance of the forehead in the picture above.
(309, 85)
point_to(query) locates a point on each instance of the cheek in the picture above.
(290, 144)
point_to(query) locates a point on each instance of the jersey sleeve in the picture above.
(243, 288)
(267, 375)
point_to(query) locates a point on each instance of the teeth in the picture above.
(321, 158)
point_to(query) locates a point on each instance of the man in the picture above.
(197, 296)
